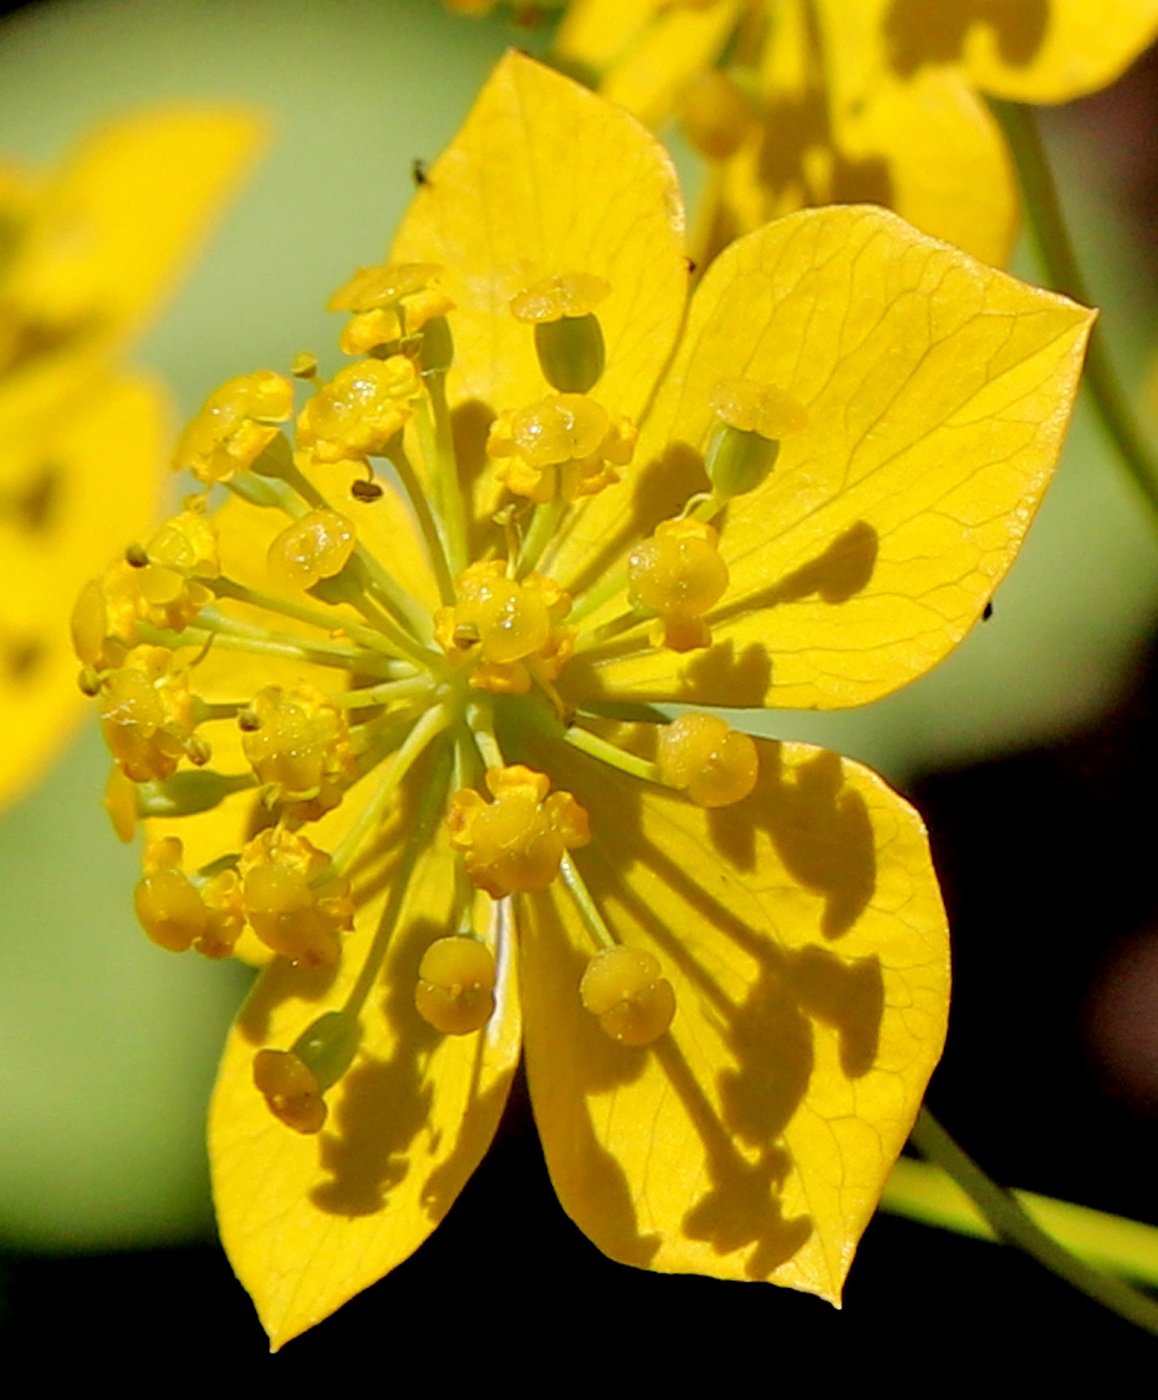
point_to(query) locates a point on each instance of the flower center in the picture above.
(439, 664)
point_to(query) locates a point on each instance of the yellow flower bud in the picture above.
(234, 426)
(456, 980)
(517, 841)
(679, 574)
(700, 754)
(298, 742)
(286, 906)
(314, 547)
(360, 410)
(623, 989)
(290, 1089)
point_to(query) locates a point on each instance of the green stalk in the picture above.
(1048, 226)
(1010, 1221)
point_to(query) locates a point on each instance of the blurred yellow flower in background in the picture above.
(803, 102)
(87, 252)
(396, 726)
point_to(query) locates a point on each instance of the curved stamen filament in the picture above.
(593, 920)
(433, 533)
(432, 422)
(430, 813)
(222, 634)
(613, 755)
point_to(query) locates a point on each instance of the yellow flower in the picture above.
(86, 253)
(725, 959)
(803, 102)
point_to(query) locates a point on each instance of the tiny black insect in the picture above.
(988, 613)
(418, 172)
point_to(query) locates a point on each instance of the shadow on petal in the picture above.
(917, 32)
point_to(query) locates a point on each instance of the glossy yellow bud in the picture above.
(147, 714)
(700, 754)
(623, 989)
(517, 841)
(234, 426)
(290, 1089)
(360, 410)
(169, 907)
(456, 981)
(679, 574)
(298, 742)
(287, 903)
(316, 546)
(506, 620)
(572, 294)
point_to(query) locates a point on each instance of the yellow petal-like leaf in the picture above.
(308, 1221)
(545, 179)
(937, 393)
(1049, 51)
(652, 50)
(803, 932)
(839, 126)
(72, 482)
(114, 227)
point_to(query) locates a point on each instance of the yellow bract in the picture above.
(837, 102)
(86, 254)
(731, 955)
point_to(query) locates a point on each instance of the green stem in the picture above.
(1051, 236)
(922, 1192)
(613, 755)
(1010, 1220)
(593, 920)
(437, 546)
(275, 644)
(544, 523)
(430, 813)
(432, 421)
(394, 769)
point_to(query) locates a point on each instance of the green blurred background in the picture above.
(107, 1044)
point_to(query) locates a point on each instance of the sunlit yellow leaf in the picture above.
(873, 101)
(650, 62)
(888, 521)
(1033, 51)
(111, 232)
(311, 1220)
(519, 197)
(88, 253)
(71, 482)
(803, 932)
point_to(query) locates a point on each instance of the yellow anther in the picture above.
(565, 446)
(703, 756)
(182, 551)
(105, 615)
(359, 410)
(758, 408)
(572, 294)
(316, 546)
(177, 914)
(147, 714)
(516, 841)
(456, 982)
(235, 425)
(288, 904)
(388, 302)
(506, 627)
(291, 1090)
(298, 742)
(679, 574)
(623, 989)
(715, 113)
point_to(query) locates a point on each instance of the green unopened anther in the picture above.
(737, 461)
(328, 1046)
(437, 346)
(571, 352)
(187, 793)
